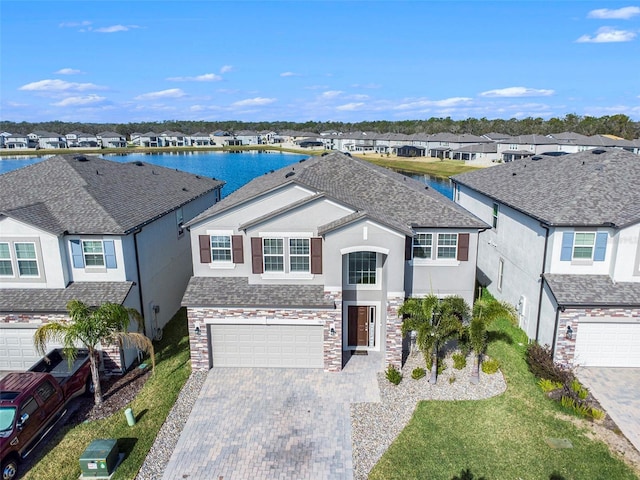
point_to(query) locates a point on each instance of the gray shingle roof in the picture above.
(56, 299)
(237, 292)
(583, 188)
(96, 196)
(386, 196)
(592, 290)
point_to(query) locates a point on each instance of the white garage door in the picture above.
(608, 345)
(290, 346)
(16, 348)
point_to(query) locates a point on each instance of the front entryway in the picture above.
(283, 346)
(361, 326)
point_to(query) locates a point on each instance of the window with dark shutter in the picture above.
(463, 247)
(205, 248)
(238, 252)
(256, 255)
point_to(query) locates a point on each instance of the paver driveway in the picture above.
(268, 423)
(618, 391)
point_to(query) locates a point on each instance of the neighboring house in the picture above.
(303, 266)
(111, 140)
(48, 140)
(565, 250)
(81, 140)
(17, 142)
(172, 139)
(199, 139)
(248, 137)
(410, 151)
(522, 146)
(149, 139)
(482, 153)
(81, 227)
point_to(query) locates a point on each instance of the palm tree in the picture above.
(485, 311)
(91, 326)
(435, 321)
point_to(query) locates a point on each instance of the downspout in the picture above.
(544, 263)
(135, 247)
(555, 330)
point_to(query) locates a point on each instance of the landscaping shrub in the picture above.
(597, 414)
(490, 366)
(418, 373)
(452, 379)
(541, 364)
(548, 386)
(577, 387)
(393, 375)
(459, 361)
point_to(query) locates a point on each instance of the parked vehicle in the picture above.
(32, 402)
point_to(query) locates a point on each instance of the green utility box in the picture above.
(99, 459)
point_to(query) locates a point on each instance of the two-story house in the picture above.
(111, 140)
(564, 248)
(307, 264)
(81, 227)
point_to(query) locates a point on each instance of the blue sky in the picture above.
(132, 61)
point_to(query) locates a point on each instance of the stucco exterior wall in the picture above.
(627, 257)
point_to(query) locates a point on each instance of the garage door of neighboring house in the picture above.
(285, 346)
(16, 348)
(603, 344)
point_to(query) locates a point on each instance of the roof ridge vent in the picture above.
(138, 163)
(81, 158)
(598, 151)
(290, 174)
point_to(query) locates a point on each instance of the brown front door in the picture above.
(358, 326)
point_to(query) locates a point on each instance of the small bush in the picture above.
(459, 361)
(452, 379)
(548, 386)
(577, 387)
(541, 364)
(418, 373)
(490, 366)
(393, 375)
(597, 414)
(567, 402)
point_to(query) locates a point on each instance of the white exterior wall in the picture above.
(519, 242)
(580, 267)
(100, 274)
(627, 256)
(51, 274)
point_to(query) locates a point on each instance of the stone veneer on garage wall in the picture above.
(198, 316)
(111, 364)
(565, 348)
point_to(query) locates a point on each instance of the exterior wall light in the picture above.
(197, 329)
(569, 333)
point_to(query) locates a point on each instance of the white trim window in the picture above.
(447, 246)
(299, 255)
(26, 259)
(6, 268)
(584, 245)
(496, 210)
(93, 253)
(362, 268)
(180, 221)
(220, 248)
(422, 245)
(273, 254)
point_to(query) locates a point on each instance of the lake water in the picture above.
(235, 168)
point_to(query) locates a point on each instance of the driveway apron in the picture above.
(618, 391)
(272, 423)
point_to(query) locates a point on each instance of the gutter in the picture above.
(135, 247)
(544, 263)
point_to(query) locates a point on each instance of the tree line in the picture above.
(619, 125)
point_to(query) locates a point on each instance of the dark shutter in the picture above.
(463, 247)
(316, 255)
(205, 248)
(566, 252)
(109, 254)
(237, 250)
(256, 255)
(408, 246)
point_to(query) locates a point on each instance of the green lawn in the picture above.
(443, 169)
(498, 438)
(151, 406)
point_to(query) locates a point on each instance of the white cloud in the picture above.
(79, 101)
(68, 71)
(608, 35)
(331, 93)
(623, 13)
(50, 85)
(366, 85)
(447, 102)
(170, 93)
(207, 77)
(517, 92)
(250, 102)
(226, 68)
(84, 23)
(359, 97)
(349, 107)
(289, 74)
(115, 28)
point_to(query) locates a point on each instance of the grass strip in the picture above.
(498, 438)
(151, 406)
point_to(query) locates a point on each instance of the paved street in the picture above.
(618, 391)
(274, 423)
